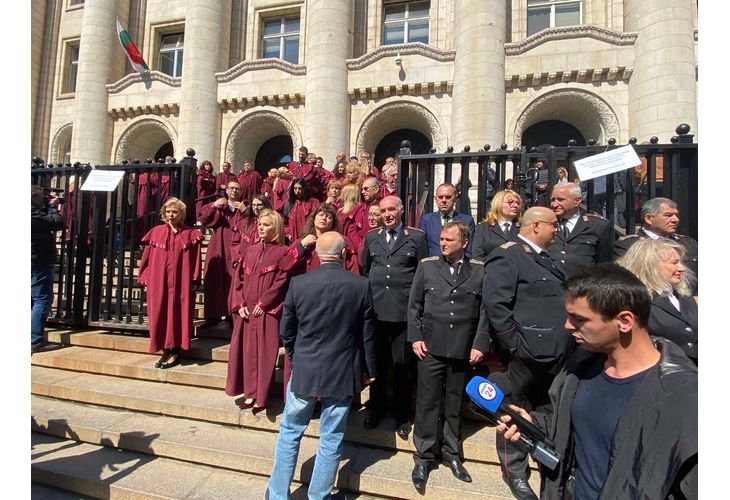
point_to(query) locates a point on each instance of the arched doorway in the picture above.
(147, 138)
(553, 132)
(271, 152)
(164, 151)
(390, 144)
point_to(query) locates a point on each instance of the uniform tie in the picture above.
(506, 227)
(456, 266)
(564, 228)
(393, 233)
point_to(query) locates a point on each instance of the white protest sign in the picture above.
(616, 160)
(102, 180)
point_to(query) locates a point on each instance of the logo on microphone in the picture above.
(487, 391)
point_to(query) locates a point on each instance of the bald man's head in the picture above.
(330, 246)
(539, 225)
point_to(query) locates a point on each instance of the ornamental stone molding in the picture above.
(260, 64)
(374, 129)
(589, 75)
(404, 49)
(60, 139)
(169, 109)
(250, 123)
(412, 89)
(601, 115)
(568, 33)
(140, 137)
(152, 76)
(235, 103)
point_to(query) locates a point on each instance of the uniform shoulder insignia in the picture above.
(508, 244)
(374, 229)
(380, 231)
(628, 237)
(587, 216)
(414, 229)
(527, 248)
(477, 262)
(682, 236)
(430, 259)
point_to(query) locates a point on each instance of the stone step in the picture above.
(213, 406)
(93, 471)
(363, 469)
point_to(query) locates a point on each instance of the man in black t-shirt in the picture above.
(624, 409)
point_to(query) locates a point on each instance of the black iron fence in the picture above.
(99, 251)
(668, 170)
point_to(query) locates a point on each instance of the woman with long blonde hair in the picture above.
(659, 265)
(501, 224)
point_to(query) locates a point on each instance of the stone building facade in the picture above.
(256, 79)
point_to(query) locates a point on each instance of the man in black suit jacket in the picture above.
(325, 361)
(660, 218)
(449, 334)
(584, 239)
(389, 260)
(523, 299)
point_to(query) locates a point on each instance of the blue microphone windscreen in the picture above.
(484, 393)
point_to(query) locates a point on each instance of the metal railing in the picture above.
(617, 196)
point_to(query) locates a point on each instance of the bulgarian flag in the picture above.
(135, 59)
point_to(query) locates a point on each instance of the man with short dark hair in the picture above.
(44, 222)
(326, 363)
(449, 332)
(250, 182)
(659, 219)
(432, 223)
(623, 413)
(524, 305)
(584, 238)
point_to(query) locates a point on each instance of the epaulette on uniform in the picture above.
(414, 228)
(595, 216)
(477, 262)
(380, 231)
(628, 236)
(430, 259)
(508, 244)
(374, 229)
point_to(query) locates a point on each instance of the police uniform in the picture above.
(488, 236)
(623, 244)
(445, 312)
(390, 270)
(524, 302)
(590, 242)
(680, 327)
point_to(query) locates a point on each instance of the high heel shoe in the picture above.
(246, 405)
(257, 409)
(173, 360)
(163, 358)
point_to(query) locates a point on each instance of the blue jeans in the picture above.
(297, 414)
(41, 297)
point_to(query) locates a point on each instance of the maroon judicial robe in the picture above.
(219, 257)
(279, 195)
(351, 225)
(303, 171)
(250, 185)
(169, 269)
(362, 217)
(318, 188)
(267, 187)
(261, 279)
(222, 180)
(206, 187)
(246, 234)
(298, 214)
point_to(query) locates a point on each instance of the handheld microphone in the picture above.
(487, 396)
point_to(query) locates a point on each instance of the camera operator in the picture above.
(45, 221)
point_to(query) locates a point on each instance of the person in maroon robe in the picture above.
(367, 166)
(260, 288)
(267, 185)
(250, 181)
(298, 207)
(302, 168)
(322, 220)
(321, 179)
(222, 216)
(334, 189)
(340, 159)
(169, 270)
(390, 174)
(206, 189)
(224, 176)
(370, 196)
(348, 215)
(280, 189)
(146, 198)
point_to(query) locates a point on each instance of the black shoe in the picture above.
(169, 363)
(520, 488)
(419, 476)
(458, 470)
(372, 420)
(403, 430)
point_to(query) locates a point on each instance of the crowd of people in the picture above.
(536, 288)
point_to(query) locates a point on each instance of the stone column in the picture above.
(327, 105)
(100, 60)
(478, 98)
(207, 34)
(663, 87)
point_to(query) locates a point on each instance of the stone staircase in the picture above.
(106, 424)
